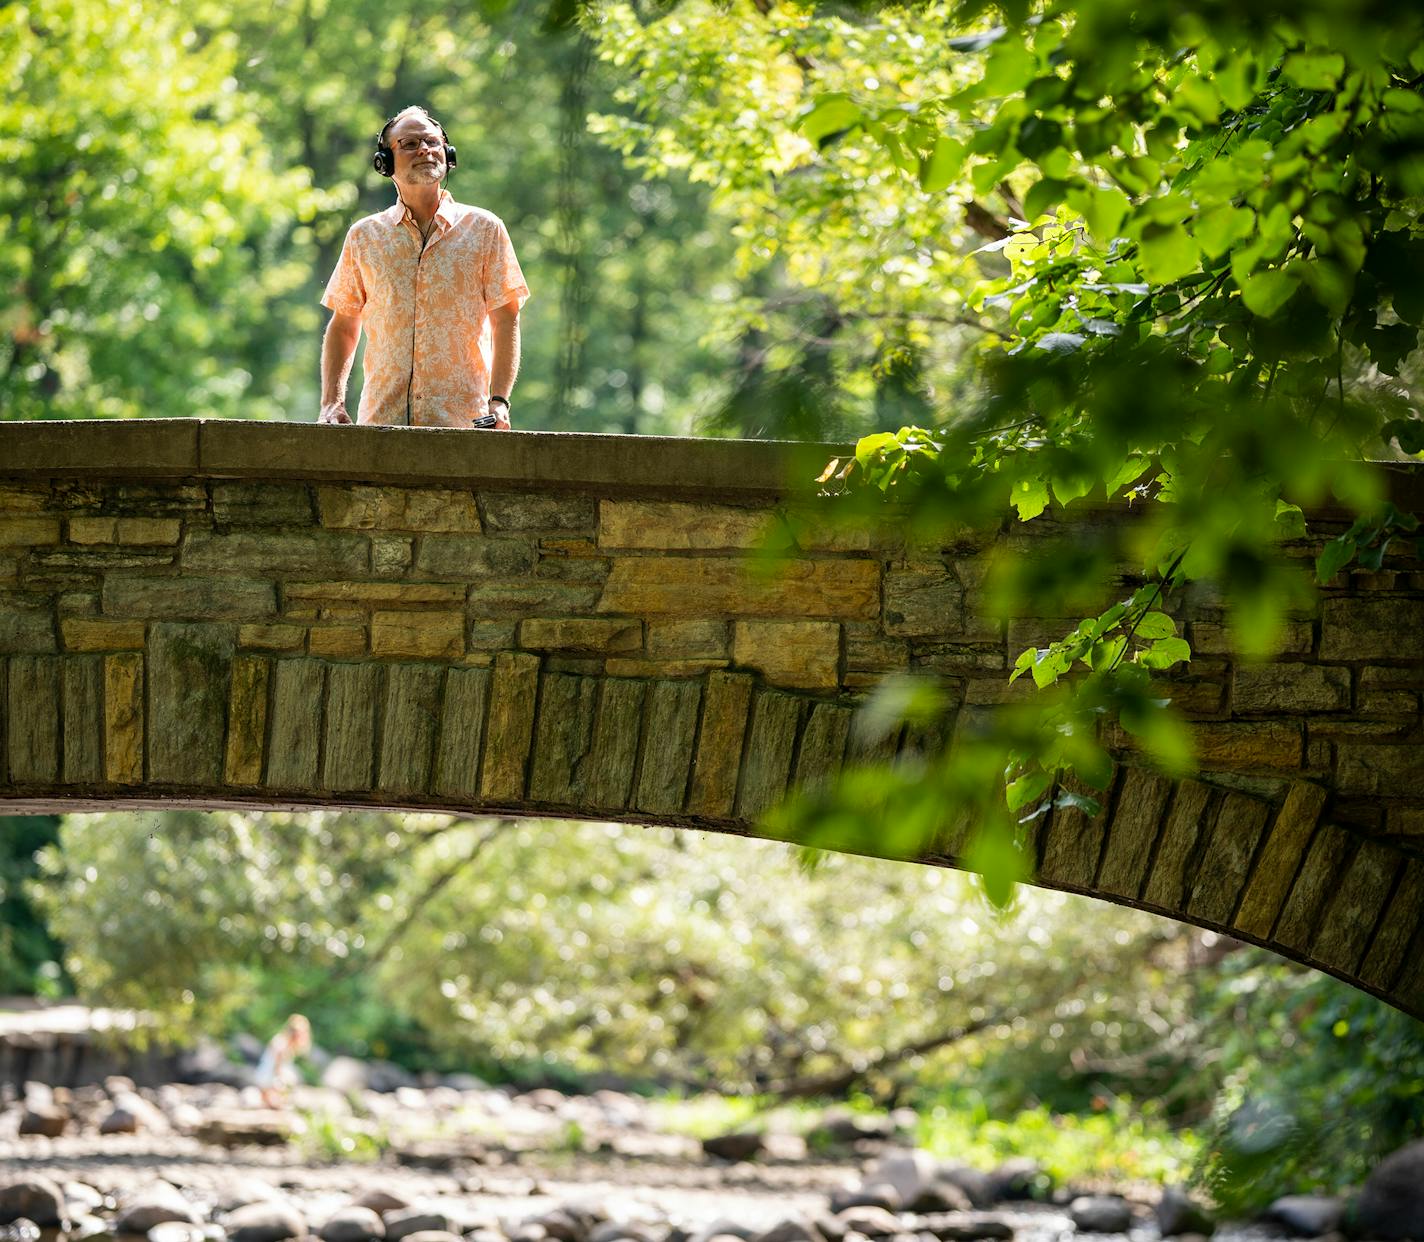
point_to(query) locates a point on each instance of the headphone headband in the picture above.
(384, 159)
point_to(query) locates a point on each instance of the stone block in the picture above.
(262, 504)
(491, 635)
(392, 555)
(801, 655)
(273, 637)
(189, 677)
(398, 508)
(188, 598)
(412, 716)
(418, 635)
(1073, 842)
(337, 641)
(775, 719)
(628, 666)
(680, 526)
(719, 745)
(1377, 768)
(466, 557)
(246, 721)
(592, 634)
(1249, 746)
(923, 602)
(688, 640)
(1314, 885)
(956, 659)
(1359, 900)
(129, 530)
(296, 724)
(28, 532)
(26, 498)
(530, 598)
(605, 776)
(1281, 856)
(462, 726)
(706, 587)
(510, 726)
(372, 594)
(1188, 820)
(1398, 926)
(83, 687)
(316, 552)
(1290, 688)
(353, 697)
(563, 735)
(672, 712)
(868, 650)
(123, 718)
(88, 634)
(1138, 815)
(26, 633)
(1372, 629)
(1226, 861)
(32, 719)
(531, 511)
(821, 750)
(1404, 821)
(1387, 704)
(1209, 638)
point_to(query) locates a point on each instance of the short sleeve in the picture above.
(346, 291)
(503, 281)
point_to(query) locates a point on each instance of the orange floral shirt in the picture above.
(425, 310)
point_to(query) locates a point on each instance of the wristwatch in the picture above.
(504, 401)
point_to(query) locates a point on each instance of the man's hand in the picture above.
(501, 417)
(334, 413)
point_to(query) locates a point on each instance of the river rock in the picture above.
(940, 1195)
(82, 1197)
(882, 1196)
(723, 1228)
(1178, 1213)
(352, 1224)
(1019, 1179)
(874, 1221)
(1100, 1214)
(432, 1235)
(976, 1186)
(35, 1198)
(1307, 1216)
(119, 1121)
(45, 1120)
(153, 1205)
(245, 1127)
(1390, 1205)
(792, 1229)
(906, 1173)
(739, 1146)
(177, 1231)
(402, 1224)
(270, 1221)
(964, 1227)
(21, 1230)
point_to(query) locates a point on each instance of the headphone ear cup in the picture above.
(383, 161)
(450, 158)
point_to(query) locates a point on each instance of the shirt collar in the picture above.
(445, 215)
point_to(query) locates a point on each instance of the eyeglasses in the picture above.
(435, 143)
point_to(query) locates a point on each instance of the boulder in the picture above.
(723, 1228)
(345, 1074)
(792, 1229)
(44, 1120)
(906, 1173)
(739, 1146)
(270, 1221)
(402, 1224)
(871, 1220)
(977, 1186)
(352, 1224)
(35, 1198)
(152, 1205)
(939, 1195)
(1178, 1213)
(244, 1128)
(883, 1196)
(177, 1231)
(1307, 1216)
(1020, 1179)
(119, 1121)
(962, 1227)
(1390, 1204)
(1100, 1214)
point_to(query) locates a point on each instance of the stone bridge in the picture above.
(242, 614)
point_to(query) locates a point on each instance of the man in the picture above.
(437, 287)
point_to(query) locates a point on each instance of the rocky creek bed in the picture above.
(467, 1163)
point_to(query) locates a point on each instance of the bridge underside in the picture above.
(254, 616)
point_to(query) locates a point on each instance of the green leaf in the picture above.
(1103, 209)
(1290, 521)
(1128, 471)
(942, 164)
(1168, 253)
(1266, 292)
(1029, 497)
(1042, 195)
(1315, 71)
(831, 114)
(1221, 227)
(1336, 554)
(1067, 800)
(1155, 625)
(994, 857)
(1165, 652)
(1028, 787)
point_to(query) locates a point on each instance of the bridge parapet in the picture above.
(220, 613)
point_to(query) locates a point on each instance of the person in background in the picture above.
(275, 1074)
(437, 288)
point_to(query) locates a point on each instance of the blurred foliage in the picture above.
(29, 955)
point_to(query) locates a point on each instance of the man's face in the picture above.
(419, 150)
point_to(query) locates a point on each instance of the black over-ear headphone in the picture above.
(384, 160)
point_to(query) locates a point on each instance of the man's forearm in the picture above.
(504, 366)
(338, 352)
